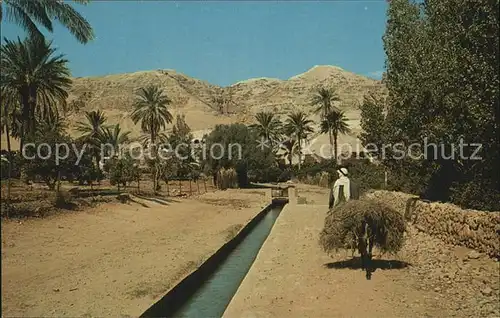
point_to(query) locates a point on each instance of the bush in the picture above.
(15, 165)
(122, 170)
(63, 200)
(476, 195)
(227, 178)
(366, 174)
(285, 176)
(269, 174)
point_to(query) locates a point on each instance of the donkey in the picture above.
(365, 246)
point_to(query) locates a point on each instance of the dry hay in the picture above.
(344, 225)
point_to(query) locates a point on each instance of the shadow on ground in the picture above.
(160, 200)
(355, 263)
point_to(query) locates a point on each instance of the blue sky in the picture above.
(227, 41)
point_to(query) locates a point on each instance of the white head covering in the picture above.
(343, 171)
(342, 181)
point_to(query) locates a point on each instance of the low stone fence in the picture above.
(474, 229)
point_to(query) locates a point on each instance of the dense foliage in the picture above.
(442, 77)
(239, 149)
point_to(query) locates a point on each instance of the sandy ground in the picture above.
(116, 259)
(293, 277)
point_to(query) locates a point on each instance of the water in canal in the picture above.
(214, 295)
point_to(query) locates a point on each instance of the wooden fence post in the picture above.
(190, 188)
(198, 186)
(205, 184)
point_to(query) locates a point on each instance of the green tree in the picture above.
(298, 126)
(290, 147)
(114, 137)
(442, 76)
(335, 123)
(235, 146)
(324, 99)
(152, 112)
(9, 107)
(38, 78)
(91, 130)
(373, 124)
(45, 164)
(122, 170)
(28, 14)
(268, 127)
(93, 126)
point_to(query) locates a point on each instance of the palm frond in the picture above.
(29, 13)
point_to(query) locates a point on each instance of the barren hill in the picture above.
(114, 94)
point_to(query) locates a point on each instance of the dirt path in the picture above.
(117, 259)
(293, 277)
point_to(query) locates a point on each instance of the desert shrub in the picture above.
(63, 200)
(344, 225)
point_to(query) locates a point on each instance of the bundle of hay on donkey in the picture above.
(360, 225)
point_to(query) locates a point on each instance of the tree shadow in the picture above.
(159, 200)
(144, 205)
(355, 263)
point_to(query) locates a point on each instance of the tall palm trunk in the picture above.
(155, 168)
(335, 136)
(31, 109)
(300, 151)
(9, 157)
(330, 136)
(24, 119)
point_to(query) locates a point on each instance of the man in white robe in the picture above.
(343, 189)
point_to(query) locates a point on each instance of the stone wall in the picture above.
(474, 229)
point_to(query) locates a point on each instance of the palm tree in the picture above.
(93, 126)
(335, 123)
(53, 123)
(29, 13)
(323, 99)
(151, 110)
(114, 136)
(268, 127)
(91, 130)
(35, 76)
(6, 122)
(299, 126)
(8, 107)
(290, 147)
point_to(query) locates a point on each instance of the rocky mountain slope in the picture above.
(114, 94)
(197, 99)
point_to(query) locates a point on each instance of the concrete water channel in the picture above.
(208, 291)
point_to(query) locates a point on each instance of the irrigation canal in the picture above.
(208, 291)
